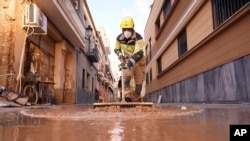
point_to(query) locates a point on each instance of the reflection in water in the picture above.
(116, 131)
(11, 124)
(76, 123)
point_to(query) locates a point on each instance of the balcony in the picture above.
(93, 55)
(63, 14)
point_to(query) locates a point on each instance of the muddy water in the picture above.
(80, 123)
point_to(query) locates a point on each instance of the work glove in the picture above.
(120, 57)
(122, 66)
(129, 64)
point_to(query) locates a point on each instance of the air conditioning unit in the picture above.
(35, 19)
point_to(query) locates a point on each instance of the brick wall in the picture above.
(7, 36)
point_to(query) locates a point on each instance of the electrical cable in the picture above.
(19, 80)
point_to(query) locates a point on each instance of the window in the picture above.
(150, 75)
(92, 85)
(166, 8)
(159, 65)
(147, 80)
(148, 51)
(147, 57)
(150, 47)
(182, 43)
(157, 25)
(223, 9)
(88, 82)
(83, 78)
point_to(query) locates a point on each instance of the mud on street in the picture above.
(172, 122)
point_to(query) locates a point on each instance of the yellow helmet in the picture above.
(127, 22)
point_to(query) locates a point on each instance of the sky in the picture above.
(109, 13)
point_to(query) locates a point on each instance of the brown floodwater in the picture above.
(170, 122)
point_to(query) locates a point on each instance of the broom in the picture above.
(123, 103)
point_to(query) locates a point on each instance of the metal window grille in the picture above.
(223, 9)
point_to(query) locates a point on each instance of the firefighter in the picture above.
(129, 49)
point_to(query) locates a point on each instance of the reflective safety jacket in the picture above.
(131, 48)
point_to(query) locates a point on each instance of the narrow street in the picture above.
(172, 122)
(191, 58)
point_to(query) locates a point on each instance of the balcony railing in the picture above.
(93, 55)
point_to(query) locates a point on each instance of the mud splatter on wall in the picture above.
(7, 36)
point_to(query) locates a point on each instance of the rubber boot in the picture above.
(132, 97)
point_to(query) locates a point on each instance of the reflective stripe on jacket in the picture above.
(130, 47)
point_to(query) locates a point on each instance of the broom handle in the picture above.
(123, 96)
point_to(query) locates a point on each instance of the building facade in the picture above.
(105, 77)
(51, 40)
(198, 51)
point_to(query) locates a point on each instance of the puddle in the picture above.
(108, 113)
